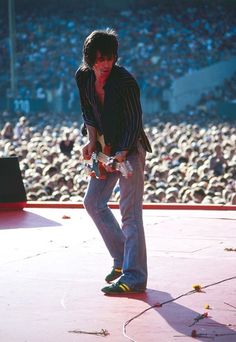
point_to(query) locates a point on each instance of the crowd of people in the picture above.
(193, 158)
(159, 43)
(189, 163)
(194, 151)
(192, 164)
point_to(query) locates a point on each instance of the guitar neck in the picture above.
(124, 167)
(103, 158)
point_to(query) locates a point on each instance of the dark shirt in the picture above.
(217, 165)
(120, 119)
(66, 147)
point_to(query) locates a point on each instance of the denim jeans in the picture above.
(126, 244)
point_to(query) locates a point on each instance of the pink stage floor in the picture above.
(53, 263)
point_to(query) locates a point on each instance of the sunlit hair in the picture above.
(104, 41)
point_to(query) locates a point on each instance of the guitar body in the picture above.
(102, 156)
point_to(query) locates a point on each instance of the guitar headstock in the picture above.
(125, 168)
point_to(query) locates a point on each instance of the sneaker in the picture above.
(115, 273)
(120, 288)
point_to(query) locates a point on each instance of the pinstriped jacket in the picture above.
(120, 119)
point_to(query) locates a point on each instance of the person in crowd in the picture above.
(217, 162)
(110, 102)
(20, 127)
(67, 144)
(7, 131)
(198, 195)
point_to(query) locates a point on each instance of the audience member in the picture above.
(218, 162)
(66, 144)
(7, 131)
(20, 129)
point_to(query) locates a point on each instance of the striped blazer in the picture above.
(120, 119)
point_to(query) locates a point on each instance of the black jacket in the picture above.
(120, 120)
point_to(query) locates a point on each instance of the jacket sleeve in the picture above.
(86, 107)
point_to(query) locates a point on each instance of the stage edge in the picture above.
(115, 205)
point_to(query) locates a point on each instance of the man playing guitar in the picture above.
(110, 103)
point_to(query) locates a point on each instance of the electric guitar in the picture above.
(95, 167)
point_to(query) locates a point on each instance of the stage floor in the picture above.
(53, 263)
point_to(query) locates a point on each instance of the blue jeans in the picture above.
(126, 244)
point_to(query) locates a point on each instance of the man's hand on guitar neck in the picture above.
(88, 150)
(90, 146)
(121, 156)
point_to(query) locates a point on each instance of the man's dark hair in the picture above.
(199, 191)
(104, 41)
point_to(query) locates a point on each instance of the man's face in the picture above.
(103, 65)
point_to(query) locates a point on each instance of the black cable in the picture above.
(169, 301)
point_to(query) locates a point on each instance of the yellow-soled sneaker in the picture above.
(115, 273)
(120, 288)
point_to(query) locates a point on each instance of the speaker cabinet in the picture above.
(12, 190)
